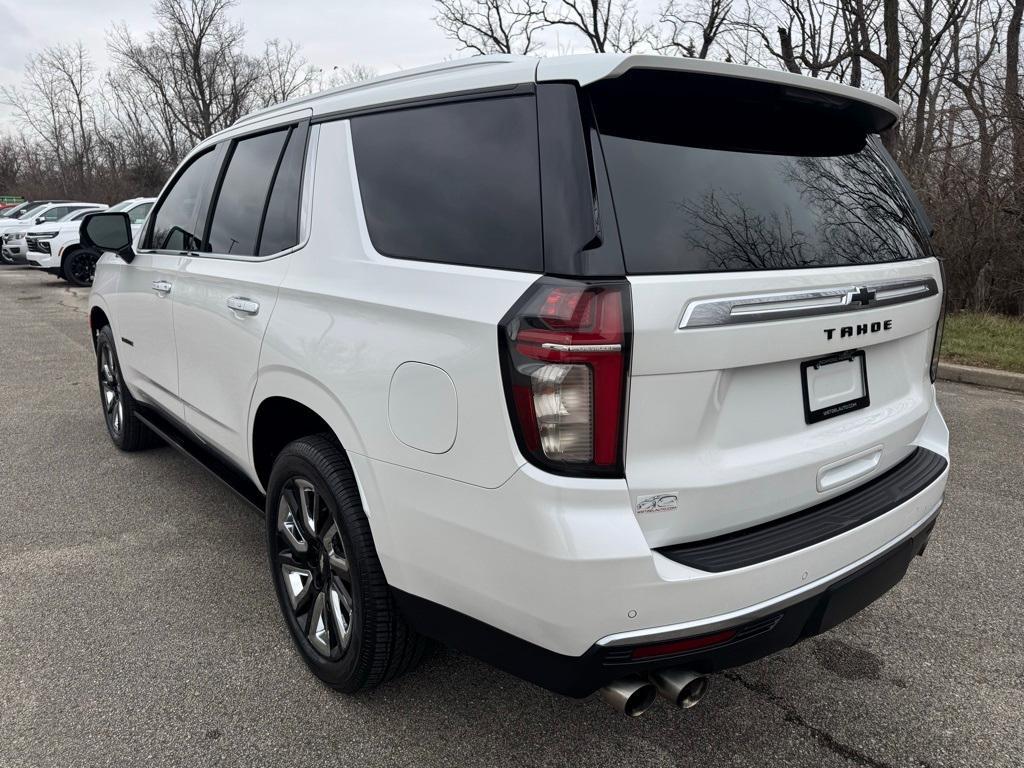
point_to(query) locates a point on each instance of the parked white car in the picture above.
(15, 249)
(612, 451)
(57, 247)
(16, 242)
(17, 222)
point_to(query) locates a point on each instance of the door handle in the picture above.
(243, 305)
(161, 286)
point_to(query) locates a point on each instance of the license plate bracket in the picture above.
(834, 385)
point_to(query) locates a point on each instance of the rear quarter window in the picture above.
(456, 183)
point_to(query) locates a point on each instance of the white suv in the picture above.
(57, 248)
(14, 232)
(613, 371)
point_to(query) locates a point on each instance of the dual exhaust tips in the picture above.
(633, 697)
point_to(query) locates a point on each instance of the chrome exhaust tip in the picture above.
(682, 687)
(630, 697)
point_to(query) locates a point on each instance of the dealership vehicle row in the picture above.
(45, 234)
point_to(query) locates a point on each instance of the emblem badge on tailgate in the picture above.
(657, 502)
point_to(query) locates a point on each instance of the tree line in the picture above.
(103, 136)
(952, 65)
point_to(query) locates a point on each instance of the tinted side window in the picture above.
(456, 183)
(58, 212)
(243, 194)
(139, 212)
(281, 224)
(175, 227)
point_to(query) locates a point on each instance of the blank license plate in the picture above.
(834, 385)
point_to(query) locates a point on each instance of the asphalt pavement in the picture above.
(138, 623)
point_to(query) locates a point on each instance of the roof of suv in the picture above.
(498, 71)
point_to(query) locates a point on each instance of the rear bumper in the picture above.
(562, 566)
(746, 638)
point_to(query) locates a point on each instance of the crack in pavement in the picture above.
(823, 737)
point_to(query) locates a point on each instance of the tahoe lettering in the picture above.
(858, 330)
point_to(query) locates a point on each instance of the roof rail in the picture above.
(408, 74)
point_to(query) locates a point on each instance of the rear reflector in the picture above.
(684, 645)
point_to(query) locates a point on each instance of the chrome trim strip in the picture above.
(765, 307)
(583, 347)
(743, 615)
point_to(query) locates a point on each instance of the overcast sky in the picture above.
(384, 34)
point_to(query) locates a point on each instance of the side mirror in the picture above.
(40, 219)
(108, 232)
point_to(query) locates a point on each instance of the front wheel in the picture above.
(328, 578)
(79, 267)
(123, 425)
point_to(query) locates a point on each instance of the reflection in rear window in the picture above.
(755, 201)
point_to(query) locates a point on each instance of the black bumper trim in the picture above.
(579, 676)
(815, 525)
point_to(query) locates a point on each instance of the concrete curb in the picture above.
(983, 377)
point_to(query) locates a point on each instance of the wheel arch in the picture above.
(67, 250)
(288, 405)
(98, 318)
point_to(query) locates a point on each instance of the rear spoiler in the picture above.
(877, 113)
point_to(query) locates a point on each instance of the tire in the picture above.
(79, 267)
(119, 409)
(333, 595)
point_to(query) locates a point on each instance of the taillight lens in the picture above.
(933, 368)
(565, 361)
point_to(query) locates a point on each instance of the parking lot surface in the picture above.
(138, 623)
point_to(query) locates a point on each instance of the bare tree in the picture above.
(1012, 95)
(607, 25)
(195, 62)
(492, 26)
(685, 24)
(53, 107)
(286, 73)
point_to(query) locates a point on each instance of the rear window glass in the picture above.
(456, 183)
(712, 175)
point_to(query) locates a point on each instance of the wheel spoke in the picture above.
(340, 602)
(309, 502)
(288, 524)
(298, 582)
(336, 551)
(319, 634)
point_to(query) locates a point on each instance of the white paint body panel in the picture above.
(423, 407)
(717, 413)
(457, 514)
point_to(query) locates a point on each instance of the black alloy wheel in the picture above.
(314, 569)
(80, 267)
(125, 428)
(111, 390)
(329, 581)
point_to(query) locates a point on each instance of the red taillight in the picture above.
(682, 646)
(565, 348)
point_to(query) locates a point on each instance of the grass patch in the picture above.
(989, 341)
